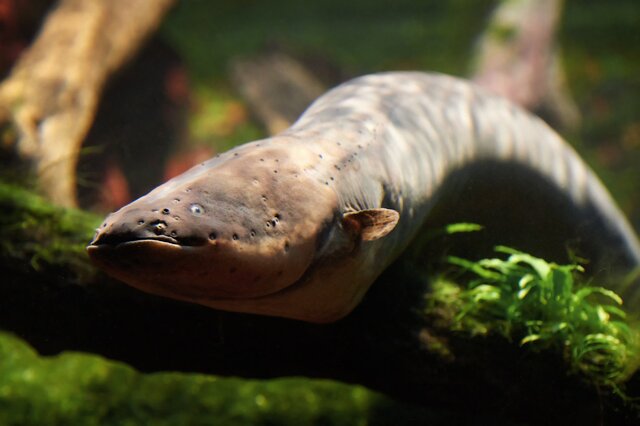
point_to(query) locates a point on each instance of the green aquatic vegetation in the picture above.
(542, 306)
(41, 235)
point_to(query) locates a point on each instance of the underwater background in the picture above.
(79, 348)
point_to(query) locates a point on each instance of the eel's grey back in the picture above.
(429, 126)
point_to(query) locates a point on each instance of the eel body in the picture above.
(300, 225)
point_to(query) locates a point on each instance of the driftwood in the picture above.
(276, 87)
(517, 57)
(53, 91)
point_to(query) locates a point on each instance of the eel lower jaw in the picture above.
(124, 260)
(97, 246)
(111, 254)
(112, 241)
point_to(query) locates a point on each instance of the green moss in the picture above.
(541, 306)
(74, 388)
(42, 235)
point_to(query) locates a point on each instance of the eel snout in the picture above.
(181, 253)
(154, 223)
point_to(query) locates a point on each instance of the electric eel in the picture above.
(301, 224)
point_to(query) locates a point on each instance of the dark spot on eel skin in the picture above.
(166, 211)
(235, 237)
(286, 246)
(280, 273)
(140, 222)
(320, 156)
(252, 233)
(174, 234)
(212, 236)
(232, 269)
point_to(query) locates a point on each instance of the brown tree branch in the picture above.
(517, 57)
(52, 94)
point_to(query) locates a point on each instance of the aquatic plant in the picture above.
(542, 306)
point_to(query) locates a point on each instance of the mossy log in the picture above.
(74, 388)
(53, 299)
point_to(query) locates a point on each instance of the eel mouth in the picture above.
(119, 240)
(112, 251)
(115, 241)
(106, 245)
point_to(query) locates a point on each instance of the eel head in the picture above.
(234, 235)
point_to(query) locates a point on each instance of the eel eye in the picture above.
(196, 209)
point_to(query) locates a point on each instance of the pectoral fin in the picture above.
(371, 224)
